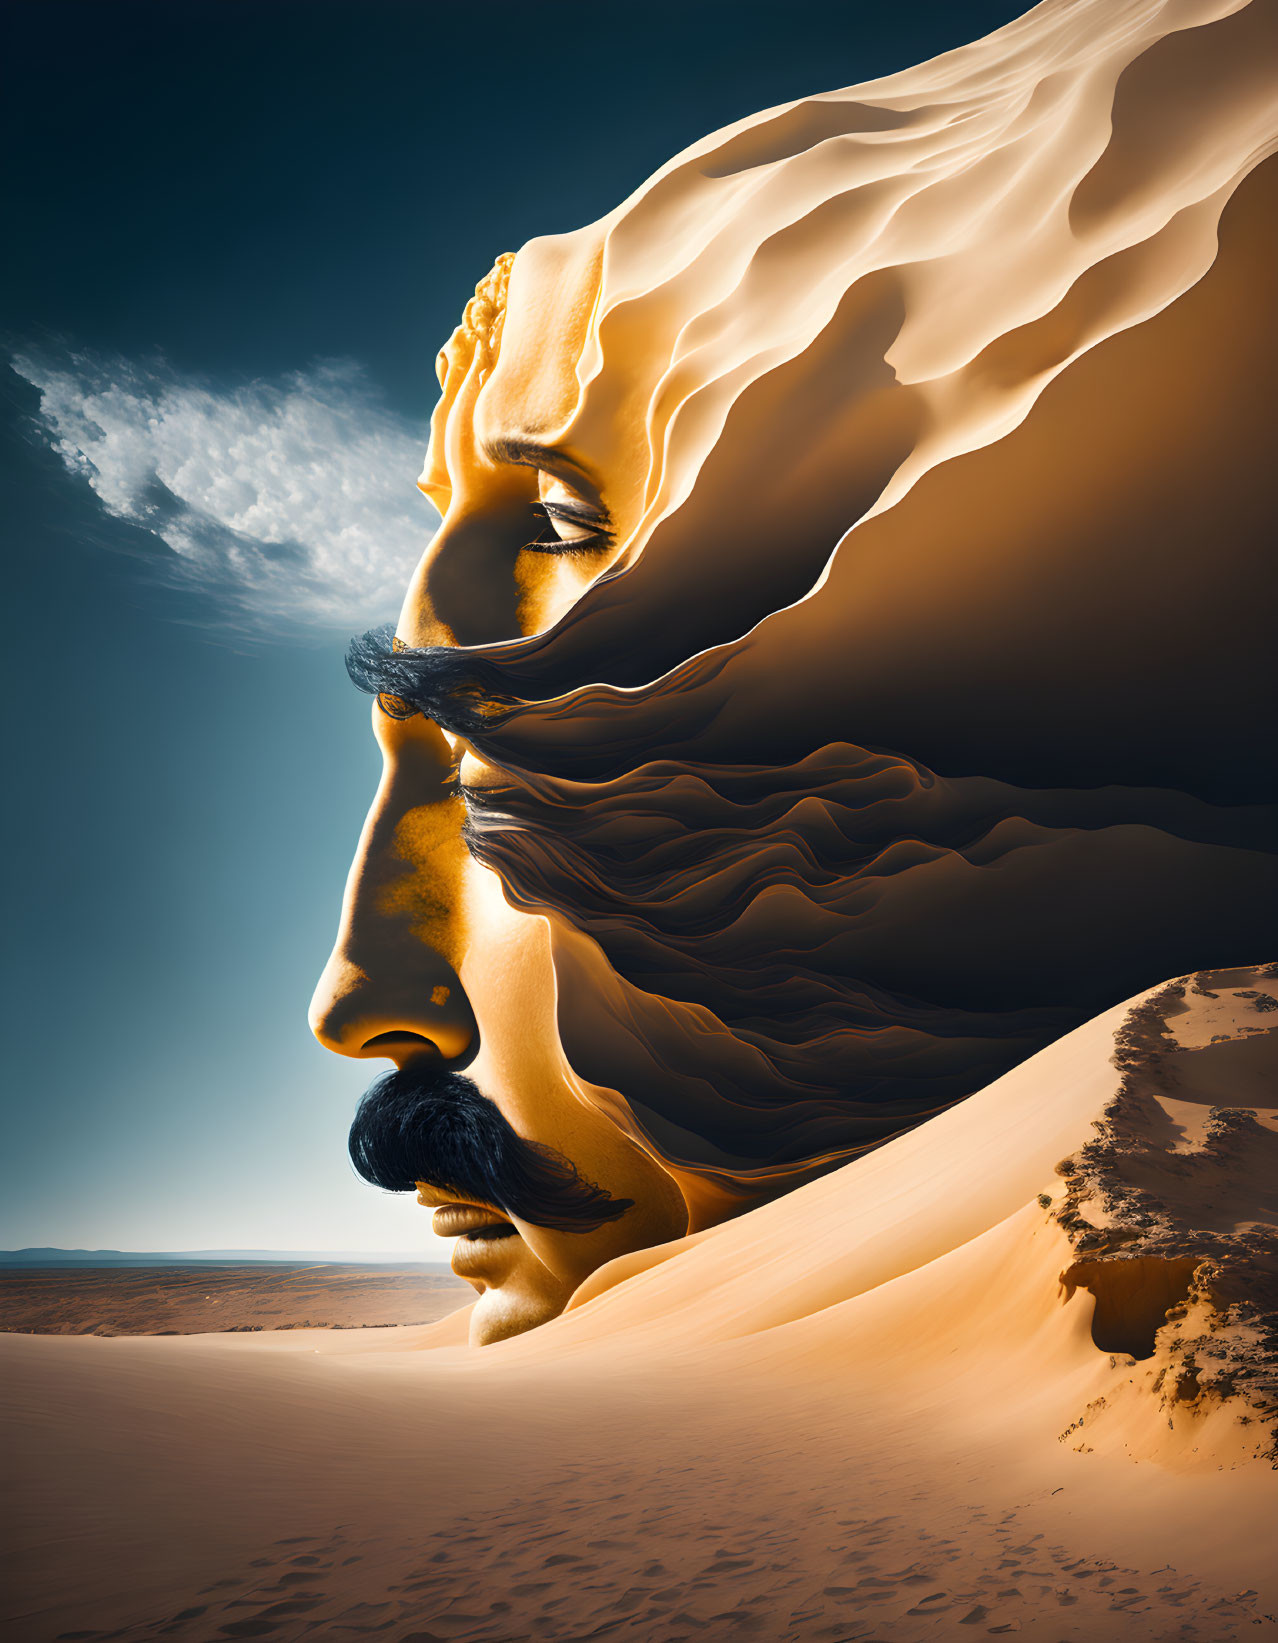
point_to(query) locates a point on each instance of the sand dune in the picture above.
(875, 1409)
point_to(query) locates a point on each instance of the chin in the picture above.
(500, 1314)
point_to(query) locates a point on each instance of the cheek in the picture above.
(550, 585)
(509, 979)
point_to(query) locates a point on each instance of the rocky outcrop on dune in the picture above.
(1171, 1209)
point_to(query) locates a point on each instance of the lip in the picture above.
(454, 1220)
(433, 1197)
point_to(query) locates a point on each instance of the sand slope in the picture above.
(874, 1409)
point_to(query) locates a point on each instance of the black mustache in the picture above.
(424, 1123)
(461, 691)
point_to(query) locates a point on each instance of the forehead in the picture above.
(534, 388)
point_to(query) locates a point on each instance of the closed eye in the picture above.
(568, 528)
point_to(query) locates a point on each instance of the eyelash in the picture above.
(599, 534)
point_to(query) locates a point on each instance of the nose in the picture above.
(390, 988)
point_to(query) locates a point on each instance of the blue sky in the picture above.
(243, 229)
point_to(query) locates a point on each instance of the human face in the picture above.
(433, 969)
(878, 767)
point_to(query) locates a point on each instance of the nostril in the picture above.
(453, 1042)
(399, 1040)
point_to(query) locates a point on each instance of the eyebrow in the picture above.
(523, 452)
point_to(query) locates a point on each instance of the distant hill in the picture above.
(46, 1257)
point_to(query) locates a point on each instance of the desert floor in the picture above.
(205, 1297)
(313, 1484)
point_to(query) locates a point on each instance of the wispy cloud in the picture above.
(286, 502)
